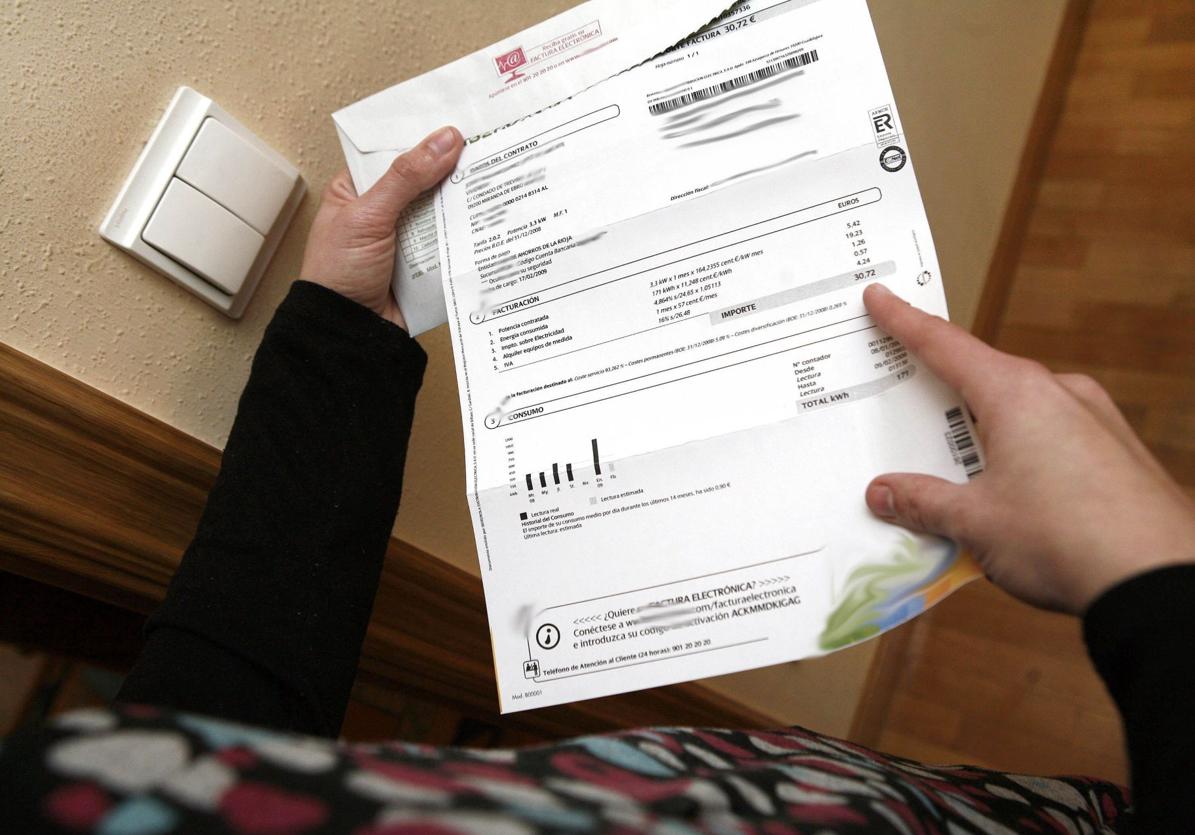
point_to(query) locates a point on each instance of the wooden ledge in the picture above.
(100, 499)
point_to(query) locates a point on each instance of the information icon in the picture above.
(547, 636)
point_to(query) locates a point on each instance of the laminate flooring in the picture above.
(1105, 286)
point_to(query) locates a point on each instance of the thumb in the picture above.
(922, 503)
(411, 174)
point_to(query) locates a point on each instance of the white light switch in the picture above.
(237, 175)
(207, 203)
(202, 235)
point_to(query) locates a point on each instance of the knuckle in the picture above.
(910, 503)
(414, 167)
(1029, 380)
(1078, 382)
(1033, 370)
(926, 504)
(1086, 388)
(917, 333)
(405, 168)
(962, 525)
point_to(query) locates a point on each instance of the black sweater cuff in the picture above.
(1139, 635)
(264, 619)
(346, 319)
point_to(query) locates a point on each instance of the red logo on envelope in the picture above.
(510, 63)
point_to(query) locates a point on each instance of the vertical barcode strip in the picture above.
(803, 59)
(962, 445)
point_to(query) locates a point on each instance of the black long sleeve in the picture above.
(264, 620)
(1141, 636)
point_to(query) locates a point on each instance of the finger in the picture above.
(965, 363)
(411, 174)
(1097, 400)
(922, 503)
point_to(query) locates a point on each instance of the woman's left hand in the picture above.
(351, 246)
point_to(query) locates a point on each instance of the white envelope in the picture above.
(488, 90)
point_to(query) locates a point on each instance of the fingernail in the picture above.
(442, 141)
(881, 500)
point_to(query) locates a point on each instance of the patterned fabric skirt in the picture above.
(143, 771)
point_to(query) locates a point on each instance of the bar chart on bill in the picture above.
(586, 474)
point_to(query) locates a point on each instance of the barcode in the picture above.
(962, 445)
(804, 59)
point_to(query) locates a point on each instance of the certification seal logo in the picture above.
(893, 158)
(883, 123)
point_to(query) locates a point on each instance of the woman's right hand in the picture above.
(1071, 502)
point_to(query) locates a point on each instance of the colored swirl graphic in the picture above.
(879, 596)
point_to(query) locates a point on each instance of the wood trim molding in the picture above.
(1036, 153)
(886, 665)
(101, 499)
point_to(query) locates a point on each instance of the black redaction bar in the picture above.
(597, 465)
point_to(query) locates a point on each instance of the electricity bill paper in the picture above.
(495, 86)
(673, 397)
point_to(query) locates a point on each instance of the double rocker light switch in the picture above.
(207, 203)
(203, 236)
(237, 175)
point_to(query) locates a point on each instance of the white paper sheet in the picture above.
(481, 92)
(672, 395)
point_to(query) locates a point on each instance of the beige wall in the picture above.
(86, 83)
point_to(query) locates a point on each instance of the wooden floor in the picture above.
(1106, 286)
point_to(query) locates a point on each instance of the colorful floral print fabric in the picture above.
(144, 771)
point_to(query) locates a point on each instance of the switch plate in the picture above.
(229, 146)
(203, 236)
(237, 175)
